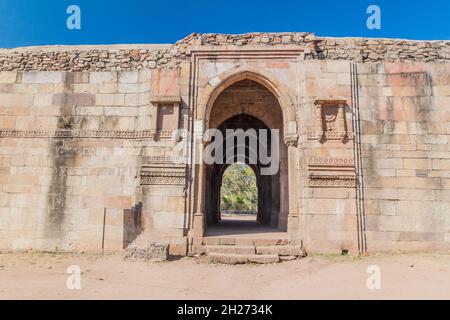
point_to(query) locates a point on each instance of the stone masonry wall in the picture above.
(110, 58)
(405, 125)
(78, 127)
(328, 213)
(66, 154)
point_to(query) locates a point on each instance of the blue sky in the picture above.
(43, 22)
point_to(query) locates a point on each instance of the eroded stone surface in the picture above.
(152, 251)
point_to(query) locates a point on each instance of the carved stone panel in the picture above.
(331, 122)
(162, 171)
(331, 172)
(332, 181)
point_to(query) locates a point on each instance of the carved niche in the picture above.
(331, 122)
(166, 99)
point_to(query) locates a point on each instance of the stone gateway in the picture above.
(89, 140)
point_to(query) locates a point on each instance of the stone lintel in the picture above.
(165, 99)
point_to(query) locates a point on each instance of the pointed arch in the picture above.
(226, 79)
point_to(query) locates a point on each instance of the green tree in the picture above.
(239, 191)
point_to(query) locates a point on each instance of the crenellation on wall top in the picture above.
(136, 57)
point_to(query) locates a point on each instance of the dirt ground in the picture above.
(43, 276)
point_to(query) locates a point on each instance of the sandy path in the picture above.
(43, 276)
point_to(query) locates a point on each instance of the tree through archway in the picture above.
(239, 191)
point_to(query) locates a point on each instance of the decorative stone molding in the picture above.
(331, 122)
(331, 172)
(291, 141)
(146, 160)
(314, 135)
(111, 134)
(165, 99)
(163, 178)
(162, 170)
(332, 181)
(333, 162)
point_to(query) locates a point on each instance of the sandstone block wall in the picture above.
(66, 156)
(366, 127)
(405, 123)
(328, 214)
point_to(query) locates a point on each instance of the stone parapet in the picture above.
(136, 57)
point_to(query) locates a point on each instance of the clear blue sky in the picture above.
(42, 22)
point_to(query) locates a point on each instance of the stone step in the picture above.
(287, 250)
(231, 258)
(228, 241)
(230, 249)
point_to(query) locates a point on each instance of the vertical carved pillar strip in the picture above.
(341, 120)
(319, 122)
(293, 222)
(199, 211)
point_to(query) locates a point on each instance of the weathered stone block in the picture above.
(110, 99)
(178, 246)
(281, 250)
(128, 76)
(234, 249)
(42, 77)
(77, 77)
(102, 77)
(152, 251)
(8, 76)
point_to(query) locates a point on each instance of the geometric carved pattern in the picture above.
(147, 160)
(332, 181)
(331, 172)
(334, 162)
(114, 134)
(162, 170)
(163, 178)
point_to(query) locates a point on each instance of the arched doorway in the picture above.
(248, 105)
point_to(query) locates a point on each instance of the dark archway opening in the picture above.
(249, 105)
(268, 205)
